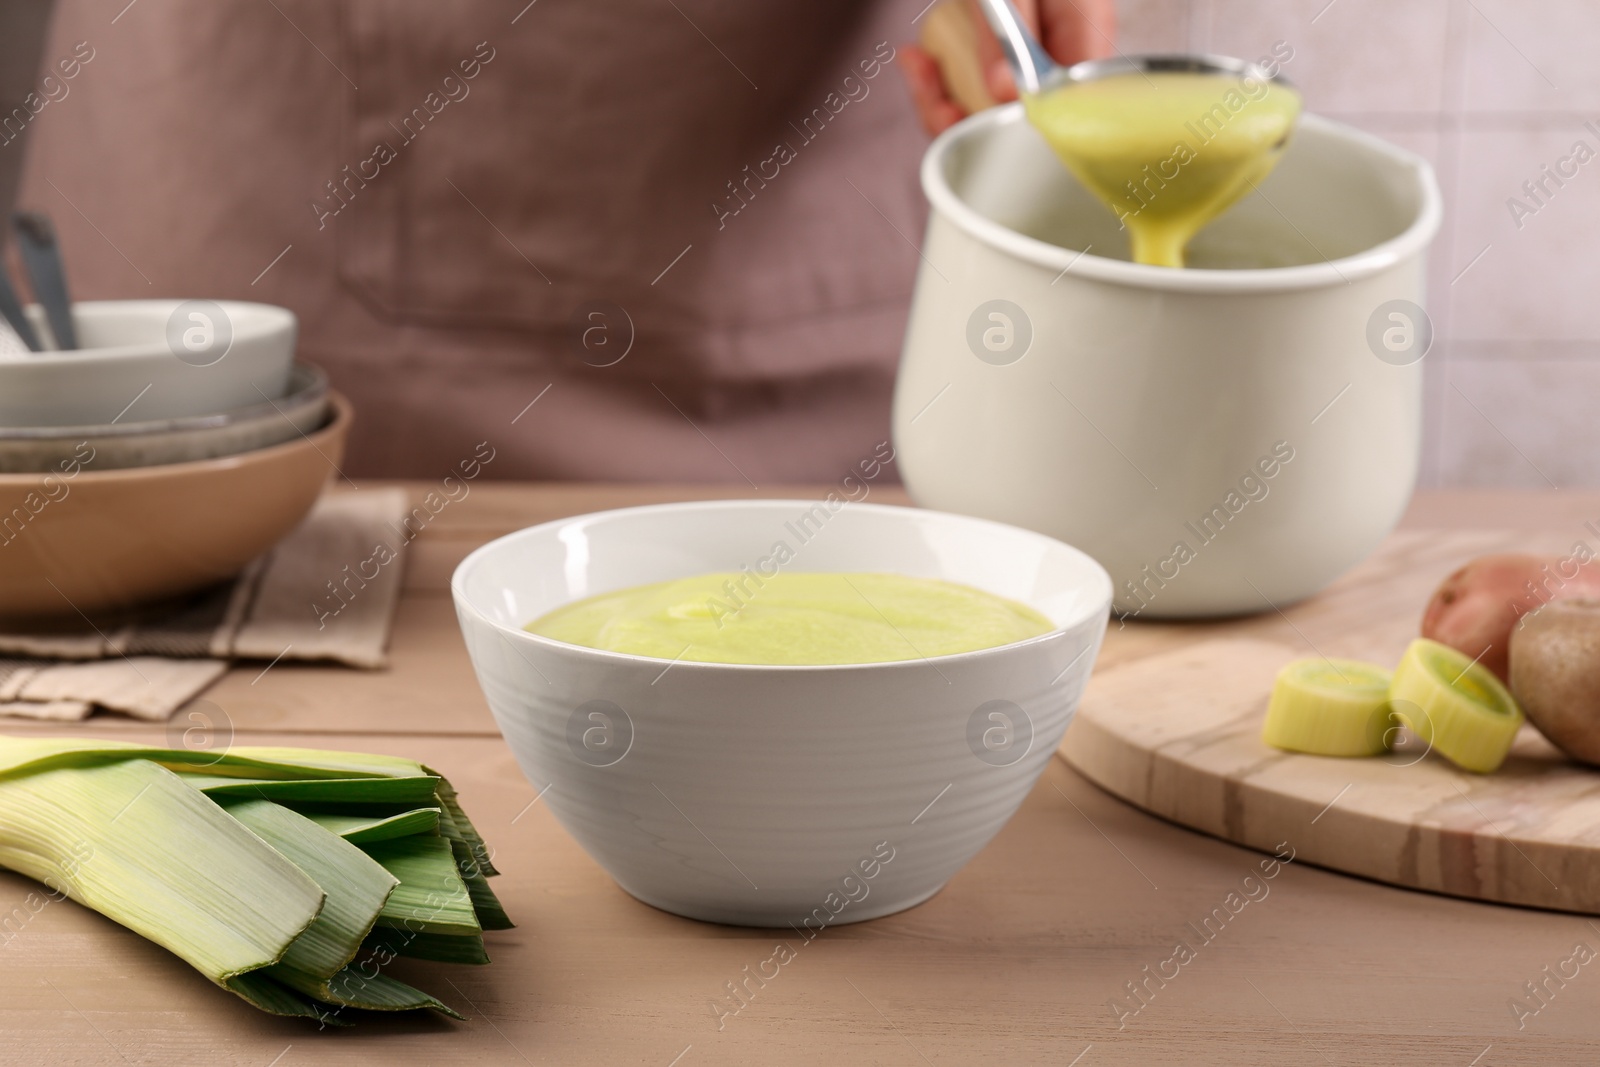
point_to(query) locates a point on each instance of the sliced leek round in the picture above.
(1329, 707)
(1454, 705)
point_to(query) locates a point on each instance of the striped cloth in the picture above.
(319, 595)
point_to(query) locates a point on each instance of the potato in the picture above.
(1475, 608)
(1555, 674)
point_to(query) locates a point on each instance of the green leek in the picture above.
(290, 877)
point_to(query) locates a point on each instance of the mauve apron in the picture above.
(481, 204)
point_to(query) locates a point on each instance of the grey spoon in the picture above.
(36, 239)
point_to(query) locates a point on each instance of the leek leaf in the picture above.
(360, 829)
(134, 842)
(442, 948)
(451, 803)
(41, 753)
(431, 897)
(353, 764)
(491, 916)
(356, 886)
(406, 792)
(262, 992)
(354, 988)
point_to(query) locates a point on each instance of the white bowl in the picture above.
(144, 360)
(300, 410)
(768, 796)
(1147, 395)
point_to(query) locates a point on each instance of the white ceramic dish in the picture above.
(765, 796)
(301, 410)
(1145, 395)
(150, 359)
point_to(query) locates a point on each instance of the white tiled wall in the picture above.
(1489, 90)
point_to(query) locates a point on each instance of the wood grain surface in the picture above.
(1036, 952)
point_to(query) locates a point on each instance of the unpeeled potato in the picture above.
(1474, 610)
(1555, 674)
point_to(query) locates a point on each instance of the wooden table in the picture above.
(1014, 962)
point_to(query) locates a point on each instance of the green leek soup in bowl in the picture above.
(954, 651)
(794, 620)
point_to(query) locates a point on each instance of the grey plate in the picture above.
(31, 450)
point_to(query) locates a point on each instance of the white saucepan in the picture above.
(1223, 438)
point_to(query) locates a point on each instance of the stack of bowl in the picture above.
(176, 444)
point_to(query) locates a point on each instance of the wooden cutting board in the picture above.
(1178, 734)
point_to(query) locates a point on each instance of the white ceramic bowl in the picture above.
(144, 360)
(300, 410)
(765, 796)
(1145, 395)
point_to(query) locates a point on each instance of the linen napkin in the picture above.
(326, 592)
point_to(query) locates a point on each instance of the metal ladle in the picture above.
(1035, 72)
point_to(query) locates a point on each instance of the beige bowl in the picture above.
(86, 542)
(42, 449)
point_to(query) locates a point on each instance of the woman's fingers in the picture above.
(1075, 30)
(1070, 30)
(928, 92)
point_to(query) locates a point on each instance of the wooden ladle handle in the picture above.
(950, 35)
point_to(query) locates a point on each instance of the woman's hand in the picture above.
(958, 66)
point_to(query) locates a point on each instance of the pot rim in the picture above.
(1410, 242)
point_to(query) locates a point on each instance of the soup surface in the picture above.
(793, 619)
